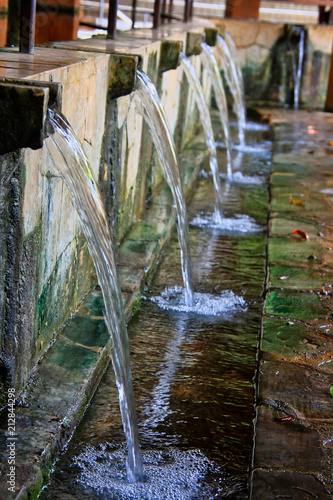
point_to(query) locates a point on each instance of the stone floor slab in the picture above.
(269, 485)
(285, 445)
(294, 306)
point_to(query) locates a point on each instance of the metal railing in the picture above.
(27, 26)
(161, 11)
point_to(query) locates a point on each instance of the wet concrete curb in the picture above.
(293, 453)
(65, 379)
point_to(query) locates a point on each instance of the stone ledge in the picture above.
(294, 413)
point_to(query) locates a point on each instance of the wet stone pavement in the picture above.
(293, 455)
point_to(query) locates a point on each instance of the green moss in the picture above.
(283, 338)
(298, 306)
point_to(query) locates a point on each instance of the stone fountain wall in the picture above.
(45, 267)
(265, 60)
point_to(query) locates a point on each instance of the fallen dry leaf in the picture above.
(299, 203)
(286, 418)
(265, 118)
(300, 233)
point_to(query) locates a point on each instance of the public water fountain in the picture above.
(209, 62)
(235, 86)
(191, 466)
(192, 380)
(73, 166)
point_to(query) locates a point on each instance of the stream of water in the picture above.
(196, 87)
(235, 58)
(149, 105)
(73, 166)
(235, 86)
(209, 62)
(297, 64)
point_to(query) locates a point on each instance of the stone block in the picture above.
(297, 387)
(122, 75)
(22, 116)
(311, 278)
(211, 36)
(285, 446)
(193, 43)
(169, 55)
(270, 485)
(300, 306)
(283, 226)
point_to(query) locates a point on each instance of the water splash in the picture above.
(257, 127)
(234, 84)
(149, 105)
(204, 303)
(240, 178)
(236, 224)
(209, 62)
(208, 130)
(73, 166)
(170, 475)
(258, 149)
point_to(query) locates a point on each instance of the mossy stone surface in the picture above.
(295, 250)
(296, 306)
(299, 277)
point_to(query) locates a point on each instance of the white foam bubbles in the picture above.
(236, 224)
(169, 475)
(204, 303)
(257, 127)
(239, 178)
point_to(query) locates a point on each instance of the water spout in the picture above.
(149, 105)
(235, 86)
(74, 168)
(297, 63)
(209, 61)
(208, 130)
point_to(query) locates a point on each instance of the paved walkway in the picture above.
(293, 455)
